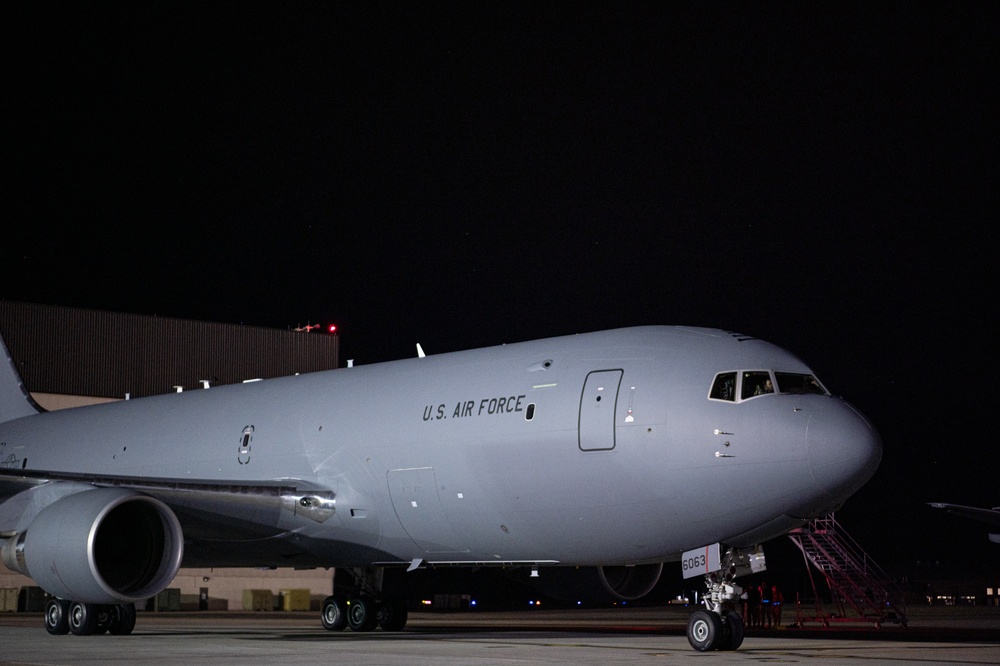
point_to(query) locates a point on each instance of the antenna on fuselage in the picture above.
(420, 351)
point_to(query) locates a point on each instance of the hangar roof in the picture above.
(78, 351)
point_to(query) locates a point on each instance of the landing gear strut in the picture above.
(362, 606)
(719, 626)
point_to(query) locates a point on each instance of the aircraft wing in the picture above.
(209, 512)
(989, 516)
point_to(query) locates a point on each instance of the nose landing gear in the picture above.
(718, 626)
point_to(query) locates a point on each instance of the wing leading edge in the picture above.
(988, 516)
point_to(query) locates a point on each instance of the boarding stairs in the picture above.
(854, 580)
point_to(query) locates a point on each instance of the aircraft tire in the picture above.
(332, 614)
(82, 618)
(122, 619)
(732, 631)
(362, 614)
(392, 615)
(704, 630)
(57, 616)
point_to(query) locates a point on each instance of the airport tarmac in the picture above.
(612, 636)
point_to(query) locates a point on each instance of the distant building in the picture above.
(84, 356)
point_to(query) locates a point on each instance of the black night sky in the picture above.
(822, 176)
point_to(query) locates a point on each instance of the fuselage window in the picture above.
(756, 382)
(793, 382)
(724, 387)
(529, 411)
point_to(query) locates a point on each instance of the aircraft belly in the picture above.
(286, 550)
(533, 514)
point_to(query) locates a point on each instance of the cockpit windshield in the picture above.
(756, 382)
(793, 382)
(749, 384)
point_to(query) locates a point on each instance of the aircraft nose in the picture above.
(844, 452)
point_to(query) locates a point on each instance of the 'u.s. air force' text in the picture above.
(486, 406)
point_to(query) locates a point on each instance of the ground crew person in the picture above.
(777, 599)
(765, 605)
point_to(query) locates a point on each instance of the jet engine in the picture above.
(102, 546)
(600, 584)
(630, 583)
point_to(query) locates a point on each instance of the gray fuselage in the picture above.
(599, 448)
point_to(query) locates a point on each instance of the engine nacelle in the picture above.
(103, 546)
(600, 584)
(630, 583)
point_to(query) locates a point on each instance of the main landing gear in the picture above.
(362, 606)
(718, 626)
(80, 619)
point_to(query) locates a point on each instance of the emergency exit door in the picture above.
(597, 410)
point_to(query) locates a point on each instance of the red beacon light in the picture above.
(332, 328)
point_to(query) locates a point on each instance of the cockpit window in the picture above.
(724, 387)
(753, 383)
(756, 382)
(793, 382)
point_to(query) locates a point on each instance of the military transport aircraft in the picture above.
(613, 451)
